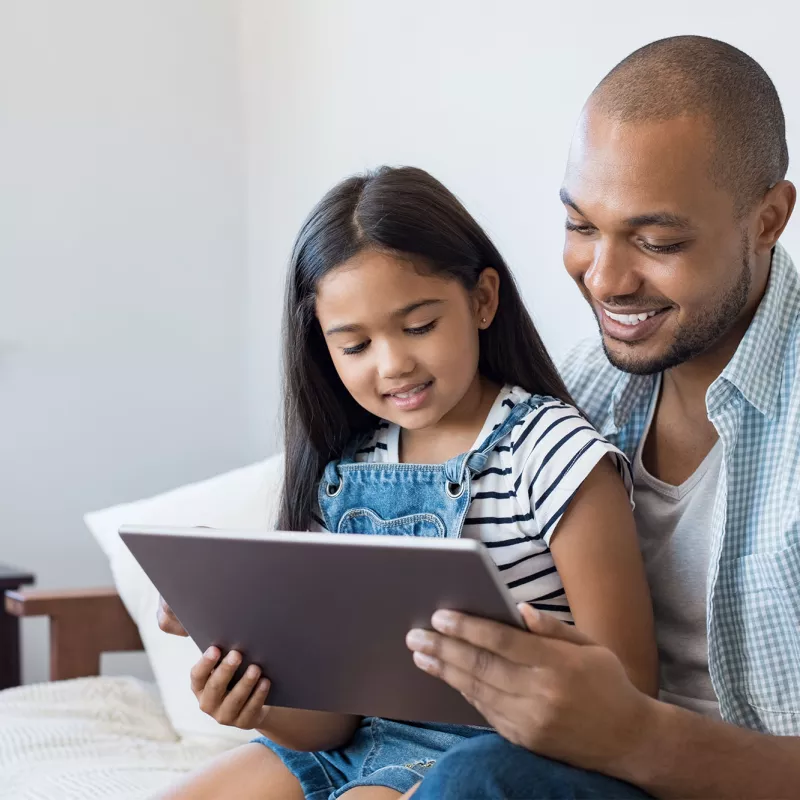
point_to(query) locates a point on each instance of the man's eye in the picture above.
(584, 230)
(664, 249)
(422, 329)
(355, 349)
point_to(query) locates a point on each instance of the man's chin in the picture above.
(635, 358)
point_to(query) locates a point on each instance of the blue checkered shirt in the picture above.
(753, 595)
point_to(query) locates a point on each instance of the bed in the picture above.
(85, 735)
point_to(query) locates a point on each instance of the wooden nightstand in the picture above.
(10, 578)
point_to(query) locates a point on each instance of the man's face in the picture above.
(653, 244)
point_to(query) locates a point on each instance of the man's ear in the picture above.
(774, 213)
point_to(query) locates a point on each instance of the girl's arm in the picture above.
(308, 730)
(596, 553)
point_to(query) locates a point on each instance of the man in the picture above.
(675, 196)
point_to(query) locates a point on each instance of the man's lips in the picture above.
(631, 324)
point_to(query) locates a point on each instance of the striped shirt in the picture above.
(753, 581)
(520, 496)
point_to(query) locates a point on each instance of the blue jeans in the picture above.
(491, 768)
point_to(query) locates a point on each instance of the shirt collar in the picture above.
(756, 367)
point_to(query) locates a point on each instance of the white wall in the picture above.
(122, 268)
(156, 160)
(482, 94)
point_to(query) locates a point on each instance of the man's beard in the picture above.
(692, 340)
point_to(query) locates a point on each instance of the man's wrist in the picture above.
(649, 744)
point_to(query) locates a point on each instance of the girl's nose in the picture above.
(394, 361)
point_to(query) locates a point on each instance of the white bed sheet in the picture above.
(105, 737)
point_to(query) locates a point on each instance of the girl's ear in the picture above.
(485, 297)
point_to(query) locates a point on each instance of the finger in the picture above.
(167, 620)
(252, 709)
(203, 668)
(548, 626)
(483, 665)
(236, 699)
(482, 695)
(217, 685)
(513, 644)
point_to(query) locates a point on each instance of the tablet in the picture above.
(325, 615)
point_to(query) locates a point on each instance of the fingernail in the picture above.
(444, 621)
(232, 658)
(252, 671)
(417, 639)
(426, 662)
(527, 608)
(211, 654)
(263, 684)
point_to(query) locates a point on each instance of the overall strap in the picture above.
(475, 460)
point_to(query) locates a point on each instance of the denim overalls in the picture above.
(407, 499)
(395, 499)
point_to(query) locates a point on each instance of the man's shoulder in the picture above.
(590, 378)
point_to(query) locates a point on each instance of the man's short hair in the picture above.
(693, 75)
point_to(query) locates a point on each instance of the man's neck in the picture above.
(690, 381)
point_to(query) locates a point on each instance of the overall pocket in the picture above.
(364, 520)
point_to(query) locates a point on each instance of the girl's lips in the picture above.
(413, 396)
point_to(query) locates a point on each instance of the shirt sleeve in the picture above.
(559, 451)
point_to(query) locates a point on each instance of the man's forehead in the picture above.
(636, 168)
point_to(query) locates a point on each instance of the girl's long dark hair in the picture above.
(405, 211)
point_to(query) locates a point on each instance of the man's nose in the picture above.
(612, 272)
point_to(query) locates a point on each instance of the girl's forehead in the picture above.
(380, 279)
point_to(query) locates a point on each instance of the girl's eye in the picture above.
(664, 249)
(584, 230)
(422, 329)
(355, 349)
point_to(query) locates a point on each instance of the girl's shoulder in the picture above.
(538, 413)
(547, 431)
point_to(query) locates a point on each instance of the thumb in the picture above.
(551, 628)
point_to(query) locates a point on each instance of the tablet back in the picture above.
(325, 615)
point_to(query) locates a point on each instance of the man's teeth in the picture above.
(415, 390)
(630, 319)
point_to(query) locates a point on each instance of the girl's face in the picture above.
(405, 344)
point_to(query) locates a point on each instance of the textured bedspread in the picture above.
(104, 737)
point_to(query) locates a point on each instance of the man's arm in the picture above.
(686, 755)
(559, 694)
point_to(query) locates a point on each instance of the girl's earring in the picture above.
(483, 320)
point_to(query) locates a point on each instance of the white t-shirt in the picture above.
(520, 496)
(675, 524)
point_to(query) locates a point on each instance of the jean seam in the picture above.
(375, 750)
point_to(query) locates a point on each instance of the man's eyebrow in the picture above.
(567, 200)
(399, 313)
(660, 219)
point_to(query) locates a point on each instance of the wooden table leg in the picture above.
(9, 651)
(10, 656)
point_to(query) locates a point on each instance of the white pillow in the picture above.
(245, 499)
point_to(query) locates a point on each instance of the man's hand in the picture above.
(552, 690)
(167, 621)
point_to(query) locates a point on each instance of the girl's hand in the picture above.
(242, 706)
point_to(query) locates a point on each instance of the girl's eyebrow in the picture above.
(399, 313)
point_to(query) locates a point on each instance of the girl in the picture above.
(406, 346)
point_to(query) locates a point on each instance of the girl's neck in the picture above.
(456, 432)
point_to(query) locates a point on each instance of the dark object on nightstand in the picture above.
(10, 578)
